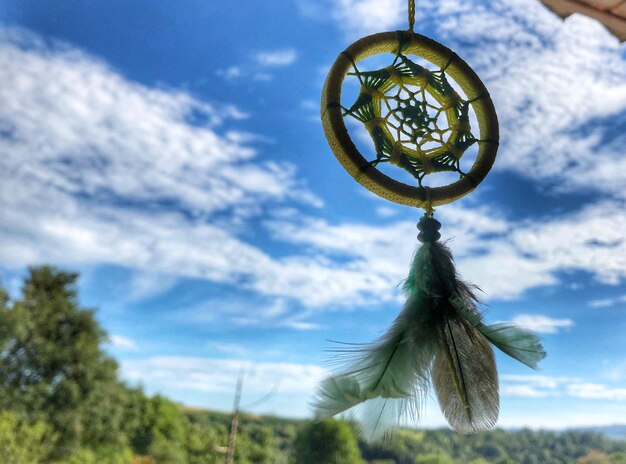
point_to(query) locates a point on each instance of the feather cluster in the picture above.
(439, 339)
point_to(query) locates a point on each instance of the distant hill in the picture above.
(275, 437)
(615, 432)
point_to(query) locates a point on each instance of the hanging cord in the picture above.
(428, 207)
(411, 14)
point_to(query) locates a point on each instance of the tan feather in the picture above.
(465, 378)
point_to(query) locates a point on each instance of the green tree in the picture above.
(22, 442)
(598, 457)
(161, 432)
(203, 444)
(329, 441)
(52, 367)
(438, 458)
(107, 455)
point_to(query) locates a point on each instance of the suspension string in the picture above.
(428, 207)
(411, 14)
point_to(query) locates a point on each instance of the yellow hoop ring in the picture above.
(354, 162)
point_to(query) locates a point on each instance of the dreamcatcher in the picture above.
(417, 112)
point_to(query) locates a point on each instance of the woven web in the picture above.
(415, 117)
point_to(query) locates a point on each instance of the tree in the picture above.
(52, 367)
(438, 458)
(202, 443)
(329, 441)
(21, 442)
(162, 431)
(598, 457)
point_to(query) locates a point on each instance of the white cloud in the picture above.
(167, 373)
(229, 348)
(378, 257)
(526, 391)
(541, 324)
(242, 351)
(597, 391)
(89, 158)
(276, 58)
(123, 343)
(386, 211)
(607, 302)
(358, 17)
(86, 130)
(543, 382)
(504, 257)
(589, 240)
(558, 88)
(258, 66)
(244, 312)
(230, 73)
(277, 314)
(579, 416)
(602, 303)
(538, 386)
(145, 285)
(531, 254)
(503, 271)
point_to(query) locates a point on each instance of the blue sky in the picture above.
(172, 153)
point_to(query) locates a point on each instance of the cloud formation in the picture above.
(123, 343)
(541, 324)
(607, 302)
(276, 58)
(540, 386)
(100, 169)
(259, 66)
(220, 375)
(356, 17)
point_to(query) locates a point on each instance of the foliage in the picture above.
(161, 430)
(497, 446)
(21, 442)
(103, 455)
(52, 367)
(598, 457)
(329, 441)
(438, 458)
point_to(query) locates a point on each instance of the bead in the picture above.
(429, 229)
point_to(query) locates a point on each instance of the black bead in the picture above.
(429, 229)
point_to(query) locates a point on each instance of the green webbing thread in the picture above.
(411, 14)
(415, 118)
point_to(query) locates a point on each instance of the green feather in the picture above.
(391, 375)
(464, 370)
(440, 334)
(518, 343)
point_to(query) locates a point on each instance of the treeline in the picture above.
(61, 402)
(440, 446)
